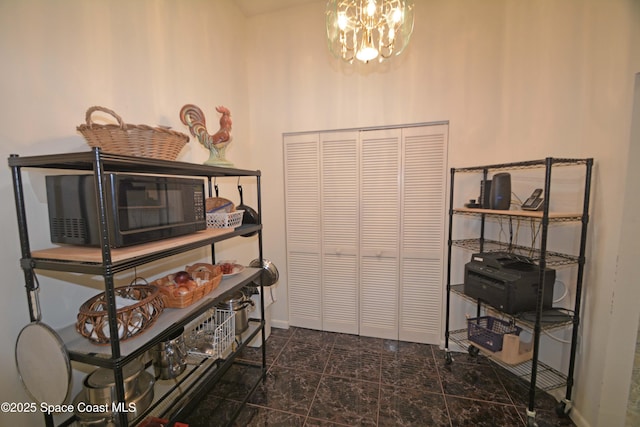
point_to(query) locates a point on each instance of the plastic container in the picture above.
(488, 332)
(224, 219)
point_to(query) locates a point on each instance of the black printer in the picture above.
(507, 281)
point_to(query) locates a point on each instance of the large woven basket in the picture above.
(132, 140)
(132, 319)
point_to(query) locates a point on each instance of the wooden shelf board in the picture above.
(527, 214)
(94, 254)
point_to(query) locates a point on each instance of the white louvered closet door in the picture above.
(302, 192)
(365, 215)
(379, 232)
(424, 159)
(339, 190)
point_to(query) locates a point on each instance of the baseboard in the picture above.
(578, 419)
(281, 324)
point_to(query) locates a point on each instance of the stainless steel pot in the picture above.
(100, 385)
(239, 302)
(170, 356)
(136, 404)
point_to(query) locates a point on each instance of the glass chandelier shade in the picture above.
(368, 29)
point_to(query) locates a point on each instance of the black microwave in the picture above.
(139, 208)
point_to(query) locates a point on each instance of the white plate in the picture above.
(237, 268)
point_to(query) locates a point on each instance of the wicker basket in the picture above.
(132, 140)
(224, 219)
(133, 319)
(208, 282)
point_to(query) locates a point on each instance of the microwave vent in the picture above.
(68, 228)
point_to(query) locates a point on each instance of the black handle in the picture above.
(240, 191)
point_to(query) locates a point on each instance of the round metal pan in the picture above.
(43, 364)
(269, 273)
(250, 216)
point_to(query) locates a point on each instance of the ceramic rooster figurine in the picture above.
(192, 116)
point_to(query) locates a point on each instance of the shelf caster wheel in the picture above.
(448, 359)
(531, 419)
(474, 351)
(563, 408)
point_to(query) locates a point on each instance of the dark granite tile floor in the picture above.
(326, 379)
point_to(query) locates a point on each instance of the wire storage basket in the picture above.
(488, 331)
(212, 334)
(132, 140)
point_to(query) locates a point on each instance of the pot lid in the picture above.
(269, 273)
(103, 377)
(43, 364)
(233, 300)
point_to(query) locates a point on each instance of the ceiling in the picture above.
(257, 7)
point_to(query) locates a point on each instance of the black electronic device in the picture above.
(534, 202)
(501, 191)
(472, 204)
(507, 282)
(139, 208)
(484, 201)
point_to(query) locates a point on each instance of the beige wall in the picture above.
(516, 80)
(144, 59)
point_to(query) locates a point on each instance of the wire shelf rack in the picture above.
(547, 379)
(552, 259)
(552, 319)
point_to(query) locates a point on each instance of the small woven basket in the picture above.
(133, 319)
(132, 140)
(208, 282)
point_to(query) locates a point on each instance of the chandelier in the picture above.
(368, 29)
